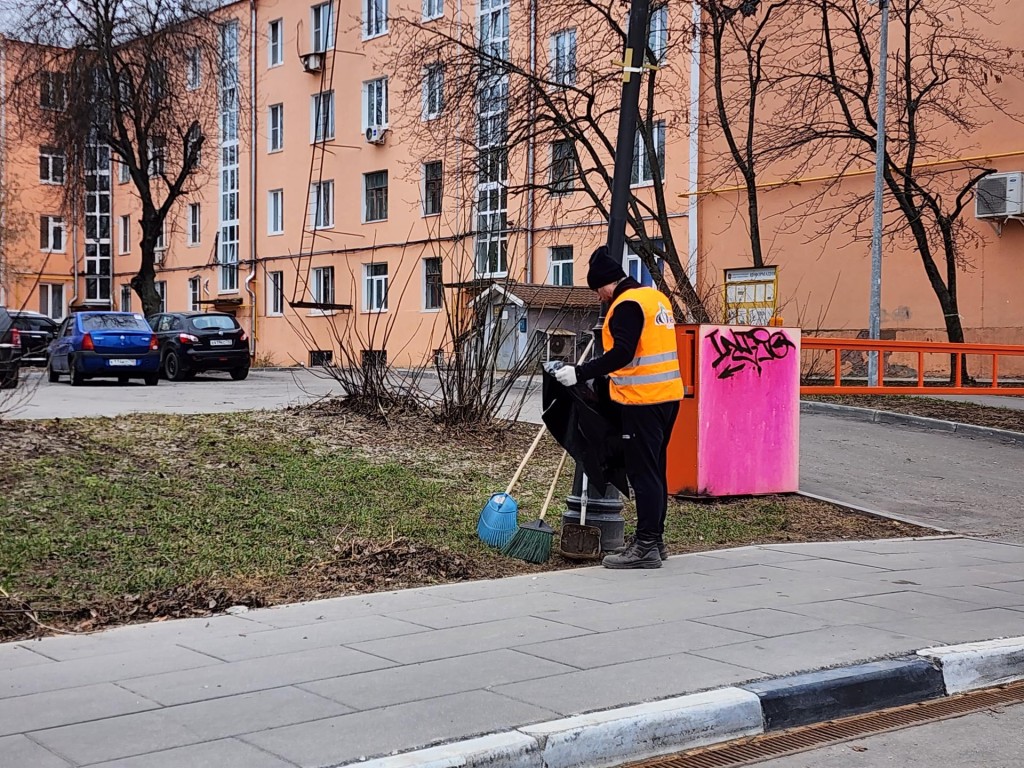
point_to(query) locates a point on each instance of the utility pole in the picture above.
(875, 330)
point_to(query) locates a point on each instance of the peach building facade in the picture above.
(324, 218)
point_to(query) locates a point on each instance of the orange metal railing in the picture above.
(838, 364)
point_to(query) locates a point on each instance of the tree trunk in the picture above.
(144, 282)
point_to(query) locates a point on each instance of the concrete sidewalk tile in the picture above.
(651, 611)
(1011, 570)
(766, 622)
(985, 597)
(270, 642)
(805, 589)
(476, 638)
(101, 669)
(249, 712)
(917, 603)
(629, 683)
(973, 626)
(945, 577)
(339, 608)
(790, 654)
(618, 592)
(116, 737)
(838, 568)
(398, 685)
(227, 753)
(600, 650)
(674, 566)
(844, 612)
(75, 705)
(22, 752)
(1010, 587)
(766, 555)
(253, 675)
(16, 655)
(552, 581)
(509, 607)
(740, 576)
(406, 726)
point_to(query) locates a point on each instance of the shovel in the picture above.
(581, 542)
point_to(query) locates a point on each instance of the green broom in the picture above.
(532, 541)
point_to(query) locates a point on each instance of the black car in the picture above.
(37, 331)
(193, 342)
(10, 351)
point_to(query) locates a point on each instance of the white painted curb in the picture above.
(971, 666)
(500, 750)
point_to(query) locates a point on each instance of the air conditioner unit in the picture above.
(312, 62)
(561, 345)
(376, 134)
(1000, 196)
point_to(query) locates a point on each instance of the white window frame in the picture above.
(321, 204)
(433, 9)
(156, 156)
(51, 156)
(375, 18)
(657, 32)
(275, 294)
(375, 287)
(124, 174)
(47, 291)
(321, 28)
(53, 91)
(54, 229)
(161, 291)
(161, 240)
(642, 174)
(321, 287)
(275, 43)
(321, 117)
(375, 91)
(563, 186)
(275, 212)
(426, 284)
(195, 294)
(195, 224)
(425, 196)
(124, 238)
(366, 197)
(275, 128)
(433, 91)
(556, 274)
(563, 57)
(194, 69)
(126, 297)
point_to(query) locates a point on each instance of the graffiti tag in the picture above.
(739, 350)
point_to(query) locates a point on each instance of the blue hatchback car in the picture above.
(112, 345)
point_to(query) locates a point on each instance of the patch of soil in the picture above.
(931, 408)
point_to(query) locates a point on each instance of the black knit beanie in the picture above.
(603, 269)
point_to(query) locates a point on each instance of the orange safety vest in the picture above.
(653, 375)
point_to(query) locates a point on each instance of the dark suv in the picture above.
(37, 331)
(10, 351)
(192, 342)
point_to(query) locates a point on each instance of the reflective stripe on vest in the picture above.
(653, 374)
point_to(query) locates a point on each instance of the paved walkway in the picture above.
(324, 683)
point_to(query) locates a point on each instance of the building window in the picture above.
(433, 91)
(433, 188)
(275, 43)
(322, 203)
(376, 287)
(375, 196)
(275, 212)
(194, 223)
(433, 296)
(51, 165)
(126, 297)
(161, 291)
(161, 237)
(375, 17)
(657, 36)
(125, 239)
(194, 294)
(276, 120)
(375, 103)
(51, 300)
(563, 167)
(643, 172)
(124, 174)
(157, 152)
(322, 116)
(323, 285)
(433, 9)
(323, 27)
(53, 93)
(275, 293)
(51, 234)
(563, 57)
(561, 265)
(194, 63)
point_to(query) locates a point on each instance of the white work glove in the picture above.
(566, 376)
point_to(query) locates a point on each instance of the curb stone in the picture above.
(877, 513)
(639, 732)
(903, 419)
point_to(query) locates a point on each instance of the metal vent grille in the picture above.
(992, 194)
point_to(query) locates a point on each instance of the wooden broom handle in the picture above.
(551, 490)
(526, 458)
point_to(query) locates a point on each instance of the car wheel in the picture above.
(151, 379)
(51, 374)
(239, 374)
(172, 367)
(77, 379)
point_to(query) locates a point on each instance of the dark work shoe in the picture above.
(637, 555)
(662, 549)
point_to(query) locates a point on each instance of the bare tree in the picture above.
(141, 83)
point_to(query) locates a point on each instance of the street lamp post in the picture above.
(876, 229)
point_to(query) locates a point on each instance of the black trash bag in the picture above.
(586, 423)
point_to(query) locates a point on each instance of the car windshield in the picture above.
(115, 322)
(215, 322)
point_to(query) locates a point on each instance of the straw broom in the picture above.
(532, 541)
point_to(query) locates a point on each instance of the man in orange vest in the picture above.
(640, 359)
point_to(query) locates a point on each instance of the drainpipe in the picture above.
(531, 148)
(695, 56)
(252, 179)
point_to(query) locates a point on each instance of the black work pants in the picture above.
(646, 431)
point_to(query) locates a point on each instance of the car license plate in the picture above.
(220, 343)
(121, 363)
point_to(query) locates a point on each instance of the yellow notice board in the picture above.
(750, 294)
